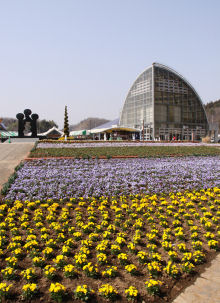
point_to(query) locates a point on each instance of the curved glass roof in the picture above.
(161, 99)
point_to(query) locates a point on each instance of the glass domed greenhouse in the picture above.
(163, 104)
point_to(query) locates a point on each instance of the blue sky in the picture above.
(86, 54)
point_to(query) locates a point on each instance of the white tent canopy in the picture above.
(82, 132)
(53, 129)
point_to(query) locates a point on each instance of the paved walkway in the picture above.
(11, 155)
(206, 288)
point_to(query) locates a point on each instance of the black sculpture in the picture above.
(22, 122)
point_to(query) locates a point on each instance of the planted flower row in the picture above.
(57, 179)
(155, 150)
(146, 241)
(60, 144)
(59, 293)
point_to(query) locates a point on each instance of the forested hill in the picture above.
(42, 125)
(10, 123)
(88, 123)
(213, 111)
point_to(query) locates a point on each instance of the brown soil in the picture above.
(170, 289)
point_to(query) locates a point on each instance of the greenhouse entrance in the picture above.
(182, 134)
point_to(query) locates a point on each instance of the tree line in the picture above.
(42, 125)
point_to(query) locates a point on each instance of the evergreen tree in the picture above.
(66, 123)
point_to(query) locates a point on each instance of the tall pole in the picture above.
(143, 131)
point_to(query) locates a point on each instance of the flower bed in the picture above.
(109, 150)
(59, 179)
(116, 248)
(59, 144)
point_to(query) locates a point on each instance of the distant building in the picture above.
(163, 105)
(80, 133)
(112, 131)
